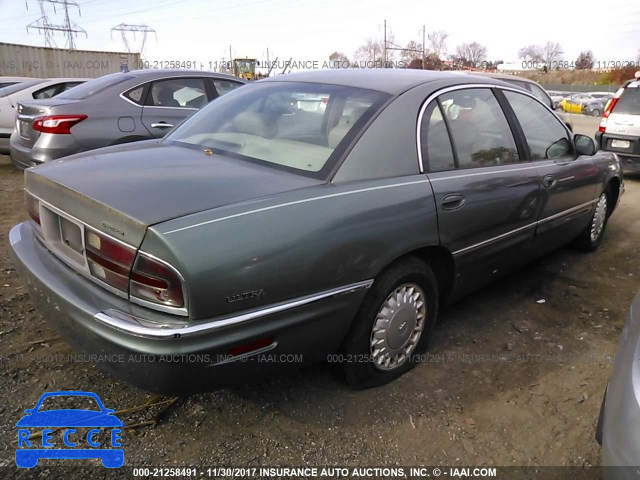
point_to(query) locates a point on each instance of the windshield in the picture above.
(301, 127)
(244, 66)
(94, 86)
(629, 101)
(11, 89)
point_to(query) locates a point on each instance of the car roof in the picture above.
(159, 73)
(504, 76)
(393, 81)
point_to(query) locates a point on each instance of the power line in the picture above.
(124, 28)
(44, 25)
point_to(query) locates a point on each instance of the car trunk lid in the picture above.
(123, 190)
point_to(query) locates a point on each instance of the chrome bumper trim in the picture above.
(145, 328)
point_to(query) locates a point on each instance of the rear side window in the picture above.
(479, 129)
(545, 134)
(437, 154)
(135, 95)
(46, 92)
(225, 86)
(94, 86)
(178, 93)
(629, 101)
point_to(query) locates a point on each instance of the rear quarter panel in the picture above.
(295, 244)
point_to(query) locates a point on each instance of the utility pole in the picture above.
(123, 28)
(424, 45)
(69, 28)
(385, 43)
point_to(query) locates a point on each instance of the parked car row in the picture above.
(590, 103)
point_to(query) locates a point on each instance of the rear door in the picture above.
(172, 100)
(569, 184)
(486, 197)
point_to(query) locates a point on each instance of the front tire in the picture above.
(591, 237)
(393, 325)
(595, 113)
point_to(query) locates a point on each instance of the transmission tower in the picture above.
(44, 25)
(123, 28)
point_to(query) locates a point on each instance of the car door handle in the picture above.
(161, 125)
(452, 201)
(549, 181)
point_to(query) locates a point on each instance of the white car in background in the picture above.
(26, 89)
(6, 81)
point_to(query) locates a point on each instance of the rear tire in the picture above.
(393, 325)
(591, 237)
(595, 113)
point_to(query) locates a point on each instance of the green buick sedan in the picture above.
(317, 216)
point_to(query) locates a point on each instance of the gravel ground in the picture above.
(516, 377)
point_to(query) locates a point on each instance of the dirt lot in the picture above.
(516, 378)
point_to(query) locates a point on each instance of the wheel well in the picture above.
(441, 262)
(614, 185)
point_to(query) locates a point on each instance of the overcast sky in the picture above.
(310, 30)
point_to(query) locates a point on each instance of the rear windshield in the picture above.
(629, 101)
(11, 89)
(300, 127)
(94, 86)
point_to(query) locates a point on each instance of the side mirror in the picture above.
(558, 149)
(584, 145)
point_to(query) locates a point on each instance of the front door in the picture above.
(569, 185)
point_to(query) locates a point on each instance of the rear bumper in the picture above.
(57, 146)
(175, 364)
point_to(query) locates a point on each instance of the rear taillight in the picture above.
(109, 261)
(33, 206)
(57, 123)
(155, 281)
(607, 110)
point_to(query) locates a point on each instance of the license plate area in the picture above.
(620, 144)
(24, 128)
(64, 236)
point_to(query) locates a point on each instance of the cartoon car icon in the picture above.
(67, 420)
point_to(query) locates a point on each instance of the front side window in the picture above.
(300, 127)
(178, 93)
(479, 129)
(546, 136)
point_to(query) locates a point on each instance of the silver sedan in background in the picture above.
(111, 110)
(28, 89)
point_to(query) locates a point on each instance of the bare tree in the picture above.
(370, 51)
(552, 52)
(585, 60)
(413, 51)
(471, 54)
(339, 59)
(438, 42)
(531, 53)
